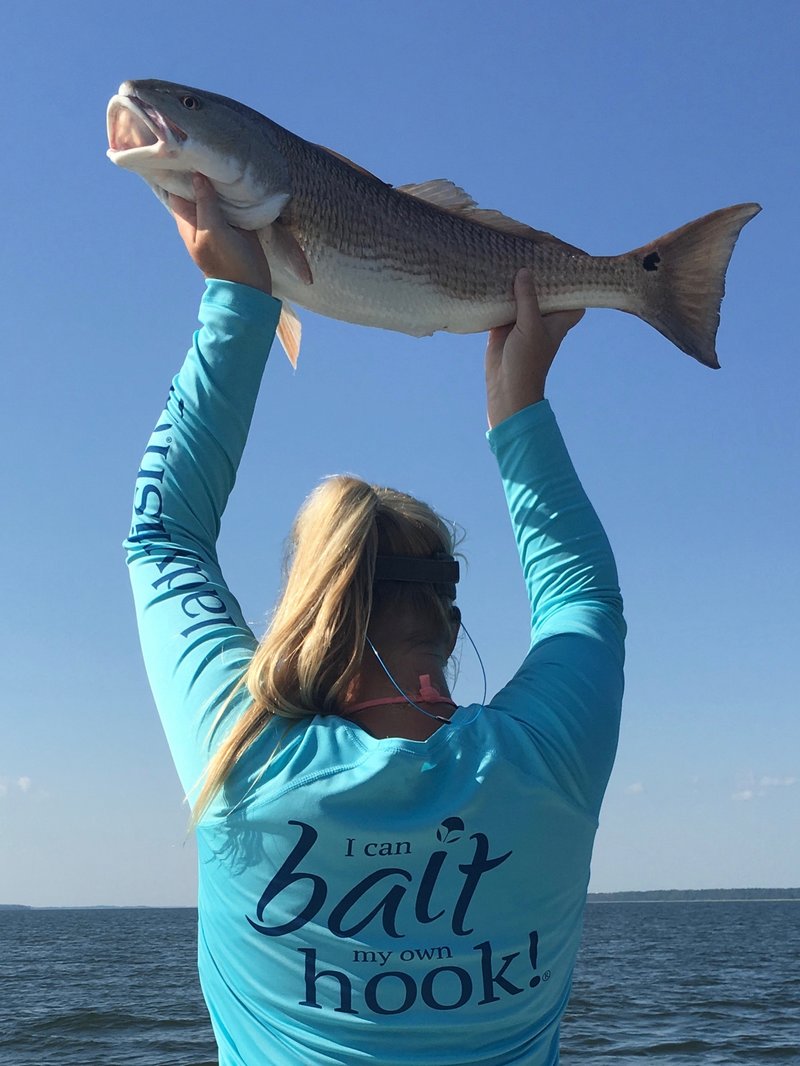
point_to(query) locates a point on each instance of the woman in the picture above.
(384, 877)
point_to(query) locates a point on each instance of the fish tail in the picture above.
(686, 279)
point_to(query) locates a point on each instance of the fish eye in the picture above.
(191, 103)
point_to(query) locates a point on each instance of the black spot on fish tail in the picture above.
(651, 261)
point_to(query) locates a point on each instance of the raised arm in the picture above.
(194, 638)
(519, 356)
(219, 250)
(568, 691)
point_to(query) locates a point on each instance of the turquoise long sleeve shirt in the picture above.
(379, 900)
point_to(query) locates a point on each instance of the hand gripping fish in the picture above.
(416, 258)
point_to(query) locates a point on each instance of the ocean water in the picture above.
(701, 982)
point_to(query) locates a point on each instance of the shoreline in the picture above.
(665, 895)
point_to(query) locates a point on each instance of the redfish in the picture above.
(413, 258)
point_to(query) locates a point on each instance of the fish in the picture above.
(414, 258)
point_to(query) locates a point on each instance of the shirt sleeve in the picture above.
(567, 694)
(195, 642)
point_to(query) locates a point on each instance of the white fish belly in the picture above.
(370, 293)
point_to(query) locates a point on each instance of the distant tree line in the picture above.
(688, 895)
(658, 895)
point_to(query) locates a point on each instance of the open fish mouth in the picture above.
(134, 126)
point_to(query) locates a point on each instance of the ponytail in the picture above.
(314, 645)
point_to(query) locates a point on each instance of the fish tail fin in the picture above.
(289, 332)
(686, 282)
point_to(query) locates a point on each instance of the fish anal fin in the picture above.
(289, 332)
(450, 197)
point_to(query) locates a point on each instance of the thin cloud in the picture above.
(23, 784)
(636, 789)
(751, 787)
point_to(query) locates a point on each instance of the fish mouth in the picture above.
(134, 126)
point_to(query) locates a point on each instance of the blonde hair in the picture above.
(315, 642)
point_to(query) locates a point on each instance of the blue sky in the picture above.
(605, 123)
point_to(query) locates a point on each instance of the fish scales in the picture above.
(420, 244)
(345, 244)
(376, 222)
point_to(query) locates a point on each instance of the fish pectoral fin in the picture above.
(289, 332)
(281, 244)
(450, 197)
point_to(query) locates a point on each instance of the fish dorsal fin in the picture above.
(442, 193)
(350, 163)
(448, 196)
(289, 332)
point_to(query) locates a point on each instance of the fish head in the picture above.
(166, 132)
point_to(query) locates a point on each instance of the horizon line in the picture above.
(794, 893)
